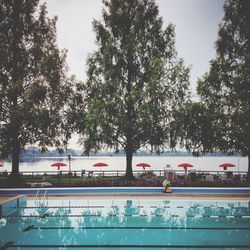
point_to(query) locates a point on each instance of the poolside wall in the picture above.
(11, 205)
(63, 191)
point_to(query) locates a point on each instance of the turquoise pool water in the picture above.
(126, 224)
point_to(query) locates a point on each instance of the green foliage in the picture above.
(225, 89)
(135, 79)
(34, 87)
(192, 128)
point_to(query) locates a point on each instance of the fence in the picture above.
(155, 177)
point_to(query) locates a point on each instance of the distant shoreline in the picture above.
(26, 158)
(34, 152)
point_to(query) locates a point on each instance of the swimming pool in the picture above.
(126, 223)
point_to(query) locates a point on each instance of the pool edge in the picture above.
(190, 191)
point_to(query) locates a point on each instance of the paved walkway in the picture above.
(151, 196)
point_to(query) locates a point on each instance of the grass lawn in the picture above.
(110, 181)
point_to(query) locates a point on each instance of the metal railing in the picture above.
(177, 177)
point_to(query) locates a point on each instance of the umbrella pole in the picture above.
(185, 170)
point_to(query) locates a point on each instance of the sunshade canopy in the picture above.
(142, 164)
(185, 165)
(100, 164)
(227, 165)
(58, 164)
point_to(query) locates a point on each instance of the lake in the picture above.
(205, 163)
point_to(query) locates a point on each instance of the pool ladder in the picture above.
(41, 198)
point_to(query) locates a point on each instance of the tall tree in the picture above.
(135, 80)
(225, 89)
(193, 128)
(33, 82)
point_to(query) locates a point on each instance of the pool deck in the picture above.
(152, 193)
(153, 196)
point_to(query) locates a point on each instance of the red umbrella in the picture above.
(100, 164)
(58, 165)
(185, 166)
(226, 165)
(142, 164)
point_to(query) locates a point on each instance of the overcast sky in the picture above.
(196, 26)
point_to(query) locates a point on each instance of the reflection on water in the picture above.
(72, 222)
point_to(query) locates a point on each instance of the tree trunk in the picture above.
(128, 149)
(129, 171)
(15, 157)
(248, 172)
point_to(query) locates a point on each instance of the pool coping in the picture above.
(145, 196)
(130, 191)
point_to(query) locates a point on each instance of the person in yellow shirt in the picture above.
(166, 184)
